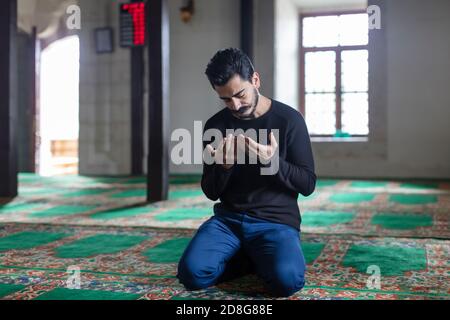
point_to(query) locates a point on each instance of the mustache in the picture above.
(242, 110)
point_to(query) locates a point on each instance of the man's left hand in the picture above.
(257, 150)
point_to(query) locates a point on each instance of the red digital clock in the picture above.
(132, 24)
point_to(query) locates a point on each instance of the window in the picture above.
(334, 74)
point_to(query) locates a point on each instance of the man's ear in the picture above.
(256, 81)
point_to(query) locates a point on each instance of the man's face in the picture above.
(241, 97)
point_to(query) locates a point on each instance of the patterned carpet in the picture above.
(127, 249)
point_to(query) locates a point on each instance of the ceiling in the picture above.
(42, 14)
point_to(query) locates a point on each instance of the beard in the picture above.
(242, 113)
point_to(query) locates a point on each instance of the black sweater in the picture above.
(242, 188)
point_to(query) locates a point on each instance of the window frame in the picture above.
(337, 50)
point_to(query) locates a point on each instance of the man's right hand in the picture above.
(225, 154)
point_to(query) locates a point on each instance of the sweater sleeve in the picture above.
(296, 172)
(215, 177)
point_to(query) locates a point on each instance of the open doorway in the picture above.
(59, 107)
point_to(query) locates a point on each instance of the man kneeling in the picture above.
(256, 224)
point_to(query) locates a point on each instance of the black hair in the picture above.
(227, 63)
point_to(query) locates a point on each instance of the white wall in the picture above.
(263, 40)
(418, 96)
(287, 52)
(105, 124)
(215, 25)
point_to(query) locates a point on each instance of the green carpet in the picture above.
(402, 221)
(98, 244)
(61, 210)
(29, 239)
(419, 185)
(180, 214)
(14, 207)
(6, 289)
(311, 251)
(413, 198)
(368, 184)
(169, 251)
(131, 193)
(336, 206)
(141, 263)
(352, 197)
(129, 249)
(121, 213)
(79, 294)
(84, 192)
(393, 261)
(325, 218)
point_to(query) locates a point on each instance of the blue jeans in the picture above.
(230, 245)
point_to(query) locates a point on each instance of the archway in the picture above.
(59, 107)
